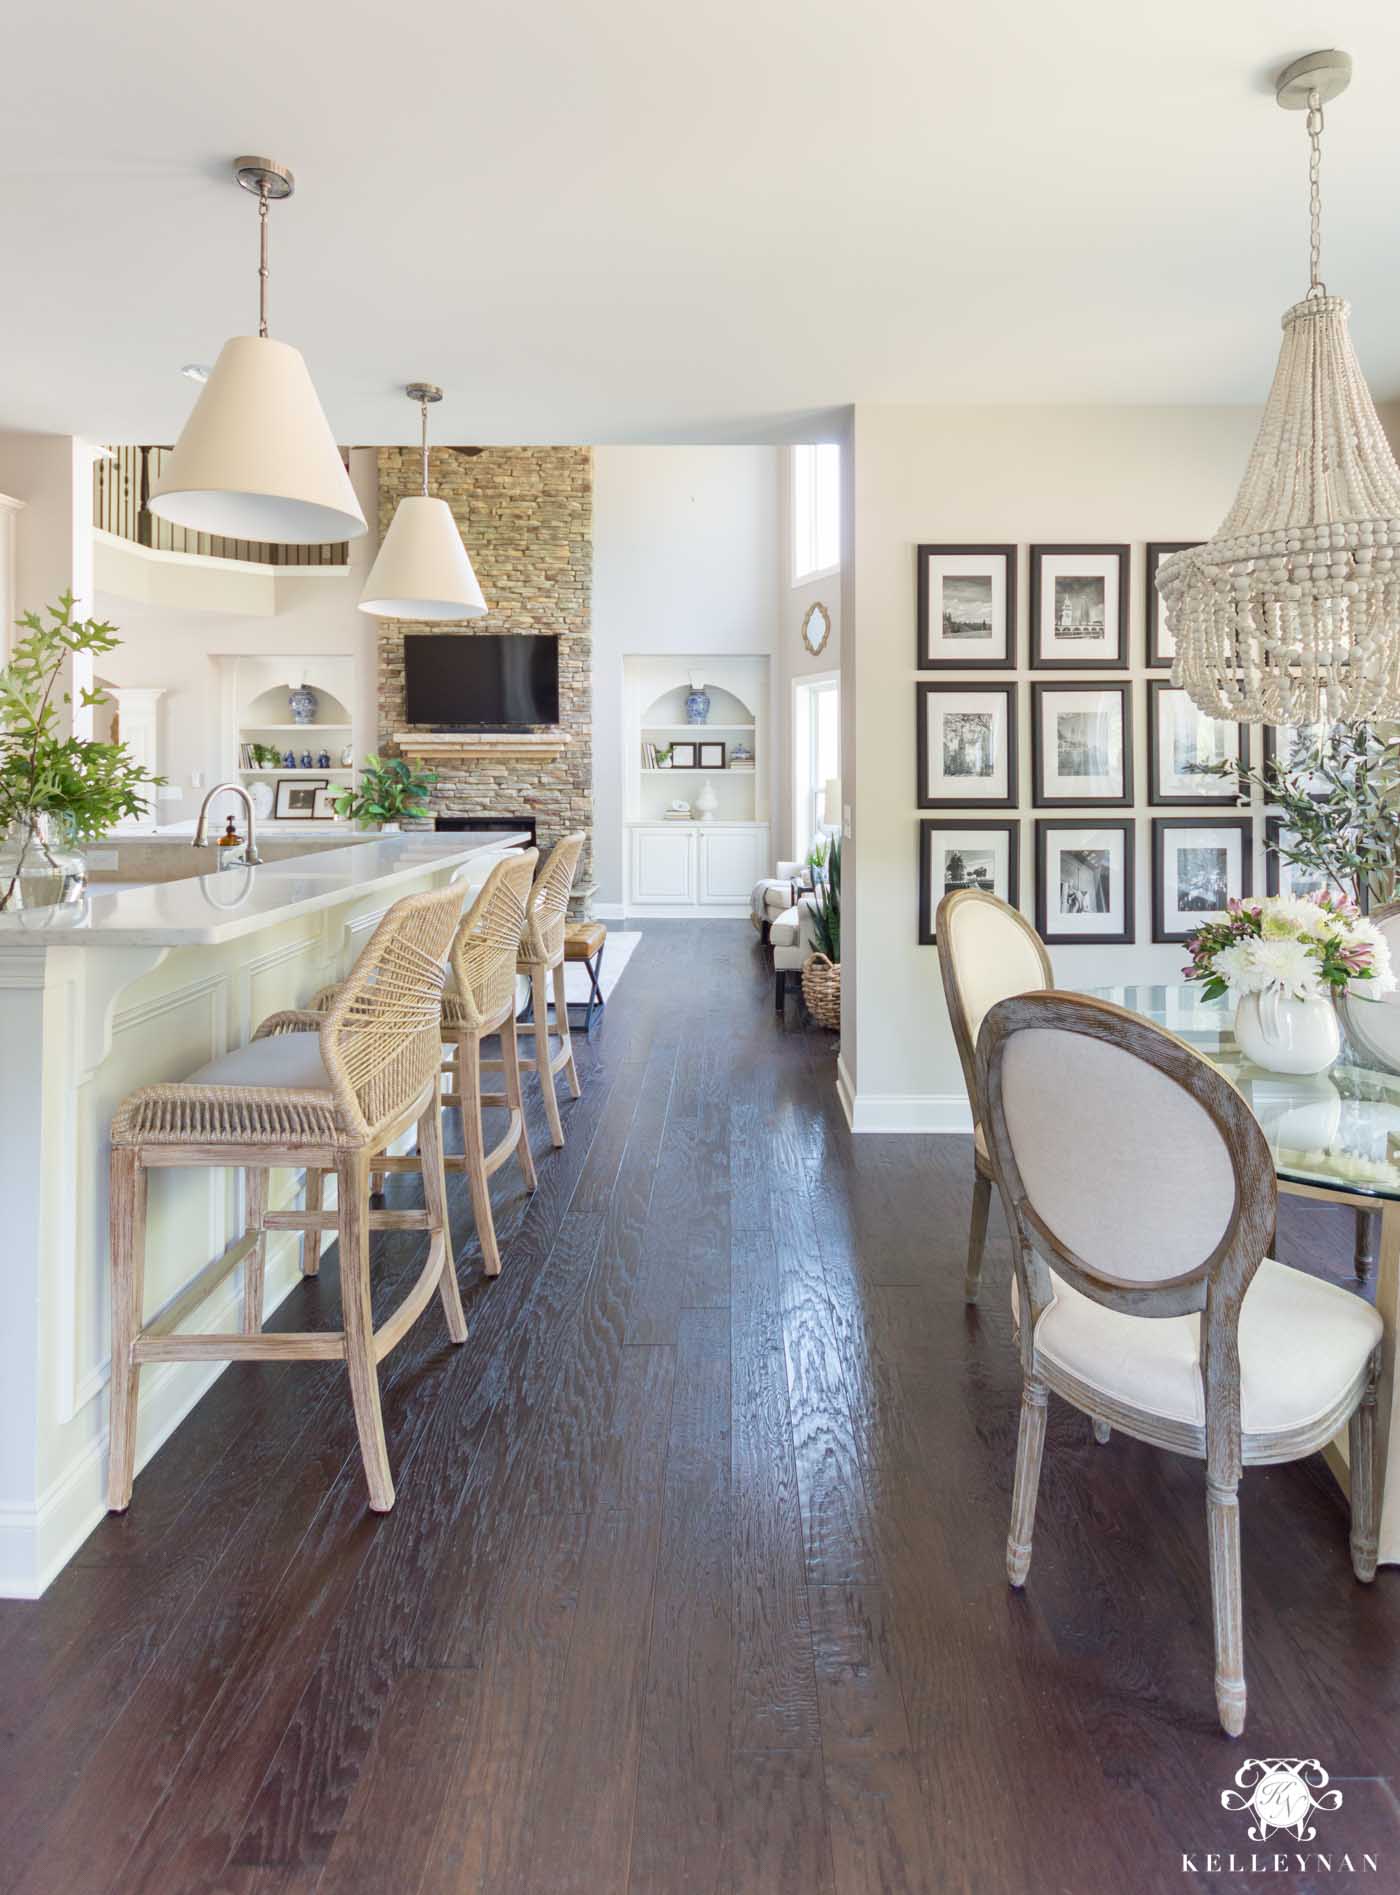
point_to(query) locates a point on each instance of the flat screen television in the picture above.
(470, 681)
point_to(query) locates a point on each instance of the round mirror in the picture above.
(816, 629)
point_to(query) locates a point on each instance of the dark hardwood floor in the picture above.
(695, 1581)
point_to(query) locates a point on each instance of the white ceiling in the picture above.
(637, 220)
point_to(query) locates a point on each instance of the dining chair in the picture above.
(542, 958)
(323, 1091)
(1140, 1221)
(986, 950)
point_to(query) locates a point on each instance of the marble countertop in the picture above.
(209, 909)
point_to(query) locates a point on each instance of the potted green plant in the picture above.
(388, 791)
(821, 974)
(56, 791)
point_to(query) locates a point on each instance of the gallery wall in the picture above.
(972, 476)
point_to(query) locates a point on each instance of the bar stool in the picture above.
(481, 997)
(542, 954)
(584, 941)
(325, 1091)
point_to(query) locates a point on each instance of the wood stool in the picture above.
(542, 955)
(584, 941)
(327, 1091)
(481, 999)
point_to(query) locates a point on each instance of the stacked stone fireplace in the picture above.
(526, 515)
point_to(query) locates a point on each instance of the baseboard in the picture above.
(943, 1112)
(845, 1092)
(712, 911)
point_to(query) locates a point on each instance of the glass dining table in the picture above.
(1334, 1136)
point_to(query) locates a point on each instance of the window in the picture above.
(816, 512)
(816, 755)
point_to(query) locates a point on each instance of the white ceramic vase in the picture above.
(1287, 1036)
(706, 803)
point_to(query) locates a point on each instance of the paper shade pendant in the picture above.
(423, 571)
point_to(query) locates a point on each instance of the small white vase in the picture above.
(706, 803)
(1287, 1036)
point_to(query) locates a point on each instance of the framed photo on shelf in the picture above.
(1161, 646)
(954, 855)
(1197, 868)
(1084, 881)
(1183, 744)
(296, 796)
(712, 755)
(1079, 608)
(323, 810)
(683, 756)
(967, 608)
(1287, 878)
(1082, 744)
(967, 746)
(1295, 747)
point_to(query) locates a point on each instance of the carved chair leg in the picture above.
(311, 1239)
(510, 1066)
(127, 1223)
(1361, 1460)
(1030, 1445)
(1368, 1236)
(352, 1200)
(566, 1038)
(1223, 1528)
(255, 1267)
(977, 1234)
(474, 1149)
(540, 984)
(439, 1228)
(1102, 1431)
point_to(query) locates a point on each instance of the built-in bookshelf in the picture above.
(656, 689)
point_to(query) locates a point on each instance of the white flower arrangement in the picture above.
(1297, 946)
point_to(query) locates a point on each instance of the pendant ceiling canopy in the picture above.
(1291, 613)
(257, 459)
(423, 571)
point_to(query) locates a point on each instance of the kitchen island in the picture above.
(126, 988)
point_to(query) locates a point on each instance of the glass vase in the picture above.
(39, 865)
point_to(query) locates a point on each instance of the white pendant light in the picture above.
(257, 459)
(423, 571)
(1291, 614)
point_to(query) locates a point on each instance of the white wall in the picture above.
(176, 646)
(52, 543)
(686, 558)
(969, 475)
(794, 660)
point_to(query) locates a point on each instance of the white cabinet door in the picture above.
(663, 865)
(731, 861)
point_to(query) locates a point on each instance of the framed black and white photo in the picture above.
(952, 855)
(1079, 608)
(1082, 744)
(683, 756)
(296, 796)
(1084, 882)
(712, 755)
(1296, 748)
(323, 809)
(1161, 646)
(967, 608)
(967, 746)
(1197, 868)
(1288, 878)
(1184, 746)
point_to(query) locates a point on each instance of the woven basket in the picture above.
(821, 989)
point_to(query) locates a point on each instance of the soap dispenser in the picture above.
(233, 850)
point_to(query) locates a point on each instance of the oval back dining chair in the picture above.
(986, 950)
(325, 1091)
(1140, 1221)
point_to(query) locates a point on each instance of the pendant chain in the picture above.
(262, 258)
(1316, 286)
(424, 406)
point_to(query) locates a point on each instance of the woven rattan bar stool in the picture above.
(327, 1091)
(481, 998)
(542, 955)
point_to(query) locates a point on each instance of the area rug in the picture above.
(621, 946)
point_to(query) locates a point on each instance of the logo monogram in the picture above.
(1281, 1793)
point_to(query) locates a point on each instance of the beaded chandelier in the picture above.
(1291, 613)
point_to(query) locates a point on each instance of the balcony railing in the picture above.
(121, 505)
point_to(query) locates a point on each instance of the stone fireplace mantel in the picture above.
(479, 743)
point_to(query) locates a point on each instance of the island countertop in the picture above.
(207, 910)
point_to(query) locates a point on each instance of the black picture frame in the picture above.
(929, 898)
(685, 750)
(294, 786)
(711, 743)
(1274, 827)
(1044, 689)
(1228, 797)
(1122, 554)
(973, 687)
(923, 659)
(1045, 827)
(1157, 551)
(1161, 825)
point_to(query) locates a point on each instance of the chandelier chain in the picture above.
(1316, 286)
(262, 257)
(423, 405)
